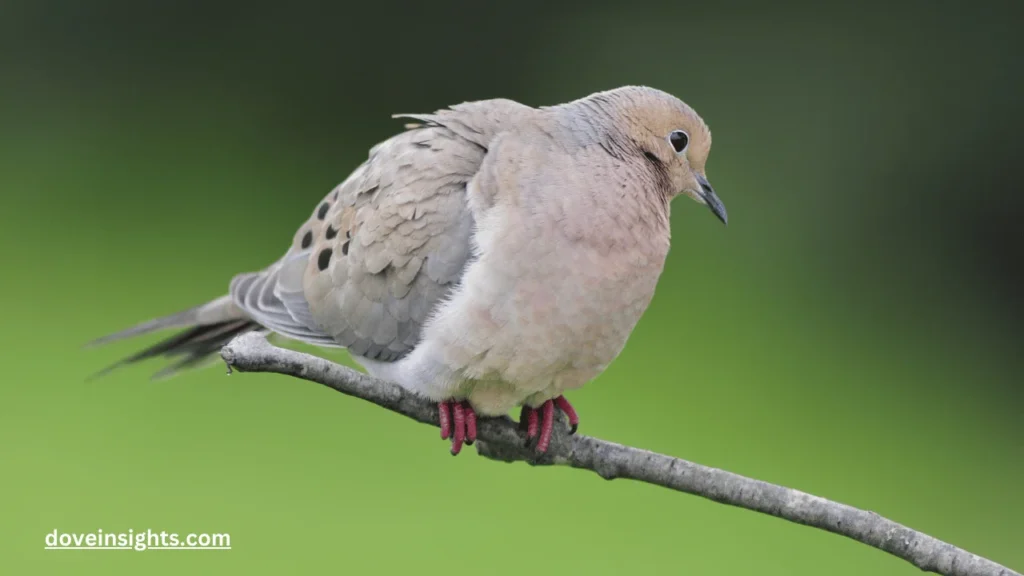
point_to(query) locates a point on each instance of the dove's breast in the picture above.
(537, 312)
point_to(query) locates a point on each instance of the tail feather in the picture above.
(197, 351)
(208, 328)
(212, 312)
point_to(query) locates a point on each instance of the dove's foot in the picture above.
(539, 426)
(458, 422)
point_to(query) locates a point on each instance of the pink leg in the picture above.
(458, 422)
(445, 418)
(459, 415)
(548, 422)
(574, 420)
(528, 421)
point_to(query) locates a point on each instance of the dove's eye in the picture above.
(679, 140)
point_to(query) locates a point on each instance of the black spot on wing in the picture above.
(324, 260)
(307, 240)
(344, 248)
(331, 233)
(322, 212)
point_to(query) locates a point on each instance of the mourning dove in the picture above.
(491, 256)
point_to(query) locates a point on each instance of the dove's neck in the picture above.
(634, 192)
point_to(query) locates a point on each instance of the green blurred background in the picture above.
(856, 332)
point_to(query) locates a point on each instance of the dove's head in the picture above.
(668, 135)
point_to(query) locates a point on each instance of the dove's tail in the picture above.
(208, 327)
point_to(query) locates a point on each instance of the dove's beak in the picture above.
(707, 194)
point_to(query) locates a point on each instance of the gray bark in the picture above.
(501, 439)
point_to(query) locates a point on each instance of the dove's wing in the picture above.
(386, 246)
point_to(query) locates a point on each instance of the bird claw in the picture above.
(539, 427)
(458, 422)
(570, 413)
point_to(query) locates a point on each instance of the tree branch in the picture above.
(501, 439)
